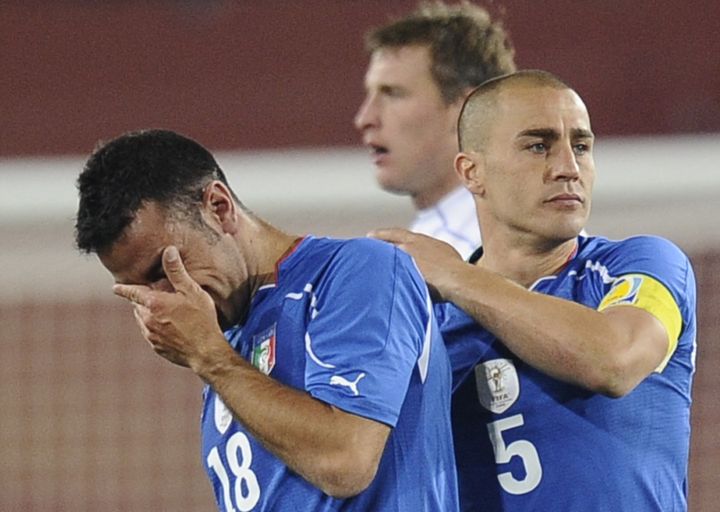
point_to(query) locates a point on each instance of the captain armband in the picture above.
(649, 294)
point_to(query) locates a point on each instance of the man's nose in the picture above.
(367, 114)
(563, 164)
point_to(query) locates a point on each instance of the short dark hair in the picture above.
(477, 109)
(466, 46)
(135, 168)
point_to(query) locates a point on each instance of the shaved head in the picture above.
(526, 141)
(480, 108)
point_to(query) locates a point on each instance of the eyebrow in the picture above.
(582, 133)
(551, 134)
(386, 87)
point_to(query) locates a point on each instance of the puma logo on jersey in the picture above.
(337, 380)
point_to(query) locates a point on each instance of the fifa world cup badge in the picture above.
(263, 350)
(497, 384)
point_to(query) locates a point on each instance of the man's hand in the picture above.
(176, 316)
(434, 258)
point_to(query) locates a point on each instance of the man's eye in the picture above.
(392, 92)
(156, 275)
(581, 149)
(161, 285)
(539, 148)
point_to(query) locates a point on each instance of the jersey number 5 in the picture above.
(523, 449)
(239, 457)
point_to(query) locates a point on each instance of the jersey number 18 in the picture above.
(245, 488)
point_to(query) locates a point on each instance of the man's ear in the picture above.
(470, 168)
(219, 206)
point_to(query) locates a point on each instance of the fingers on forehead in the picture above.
(175, 272)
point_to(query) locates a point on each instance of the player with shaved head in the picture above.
(572, 356)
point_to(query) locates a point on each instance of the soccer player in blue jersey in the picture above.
(328, 387)
(572, 379)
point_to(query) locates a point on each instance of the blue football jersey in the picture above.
(528, 442)
(350, 322)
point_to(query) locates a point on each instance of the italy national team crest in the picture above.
(263, 350)
(497, 384)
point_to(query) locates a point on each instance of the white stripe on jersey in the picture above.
(308, 349)
(592, 266)
(424, 359)
(313, 313)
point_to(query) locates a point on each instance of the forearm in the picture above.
(328, 447)
(564, 339)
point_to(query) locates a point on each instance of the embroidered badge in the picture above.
(263, 350)
(497, 384)
(624, 291)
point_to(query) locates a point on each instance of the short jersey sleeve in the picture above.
(367, 333)
(652, 274)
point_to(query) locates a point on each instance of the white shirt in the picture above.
(453, 219)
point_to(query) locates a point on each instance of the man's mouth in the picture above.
(378, 153)
(377, 150)
(565, 198)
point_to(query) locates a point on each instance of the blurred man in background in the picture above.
(421, 68)
(572, 390)
(330, 387)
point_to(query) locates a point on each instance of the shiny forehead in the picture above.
(528, 89)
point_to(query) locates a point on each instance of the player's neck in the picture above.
(433, 195)
(260, 247)
(264, 246)
(526, 263)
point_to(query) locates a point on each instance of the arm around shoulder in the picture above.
(606, 352)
